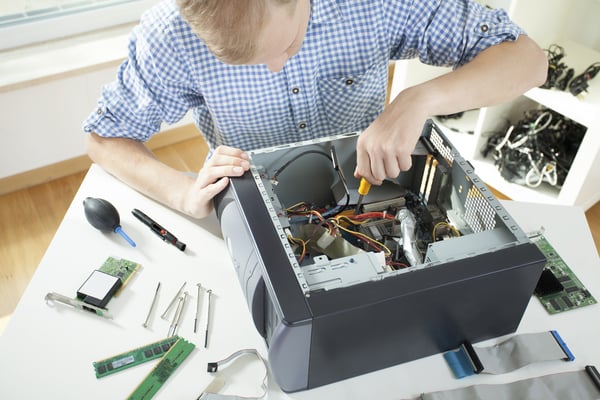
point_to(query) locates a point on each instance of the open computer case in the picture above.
(430, 259)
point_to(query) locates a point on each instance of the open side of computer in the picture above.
(430, 260)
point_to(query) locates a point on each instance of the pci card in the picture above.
(558, 289)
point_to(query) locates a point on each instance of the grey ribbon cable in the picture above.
(579, 385)
(509, 355)
(213, 367)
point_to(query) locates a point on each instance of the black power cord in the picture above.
(556, 67)
(560, 76)
(580, 84)
(564, 81)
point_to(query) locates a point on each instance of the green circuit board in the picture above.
(121, 268)
(558, 289)
(133, 357)
(163, 370)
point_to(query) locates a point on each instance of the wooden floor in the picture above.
(29, 218)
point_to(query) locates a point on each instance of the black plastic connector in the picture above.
(593, 374)
(473, 357)
(212, 367)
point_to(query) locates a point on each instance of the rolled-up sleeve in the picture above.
(152, 86)
(447, 32)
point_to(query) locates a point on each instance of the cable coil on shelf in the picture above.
(539, 148)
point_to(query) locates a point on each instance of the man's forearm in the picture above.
(134, 164)
(498, 74)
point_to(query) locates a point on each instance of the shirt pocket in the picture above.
(351, 101)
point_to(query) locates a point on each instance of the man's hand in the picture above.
(383, 150)
(213, 178)
(134, 164)
(498, 74)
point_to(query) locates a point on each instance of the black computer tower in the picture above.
(357, 297)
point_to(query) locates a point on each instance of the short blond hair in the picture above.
(229, 28)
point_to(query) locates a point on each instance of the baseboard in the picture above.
(82, 163)
(44, 174)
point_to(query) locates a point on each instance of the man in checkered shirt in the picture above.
(258, 73)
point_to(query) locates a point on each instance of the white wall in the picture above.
(47, 93)
(48, 89)
(41, 123)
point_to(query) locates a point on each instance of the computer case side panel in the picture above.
(279, 310)
(289, 354)
(375, 325)
(262, 238)
(247, 265)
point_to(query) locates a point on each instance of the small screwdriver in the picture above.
(363, 190)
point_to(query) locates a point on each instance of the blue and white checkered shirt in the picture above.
(335, 84)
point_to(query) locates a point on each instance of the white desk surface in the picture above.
(47, 351)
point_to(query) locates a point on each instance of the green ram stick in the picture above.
(558, 289)
(133, 357)
(163, 370)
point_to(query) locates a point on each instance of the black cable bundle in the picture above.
(539, 148)
(556, 67)
(560, 76)
(580, 82)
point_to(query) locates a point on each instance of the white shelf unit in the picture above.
(572, 25)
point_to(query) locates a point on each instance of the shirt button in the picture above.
(99, 111)
(302, 125)
(349, 81)
(295, 90)
(484, 28)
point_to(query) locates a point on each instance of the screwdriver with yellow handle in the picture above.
(363, 190)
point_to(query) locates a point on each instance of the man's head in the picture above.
(249, 31)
